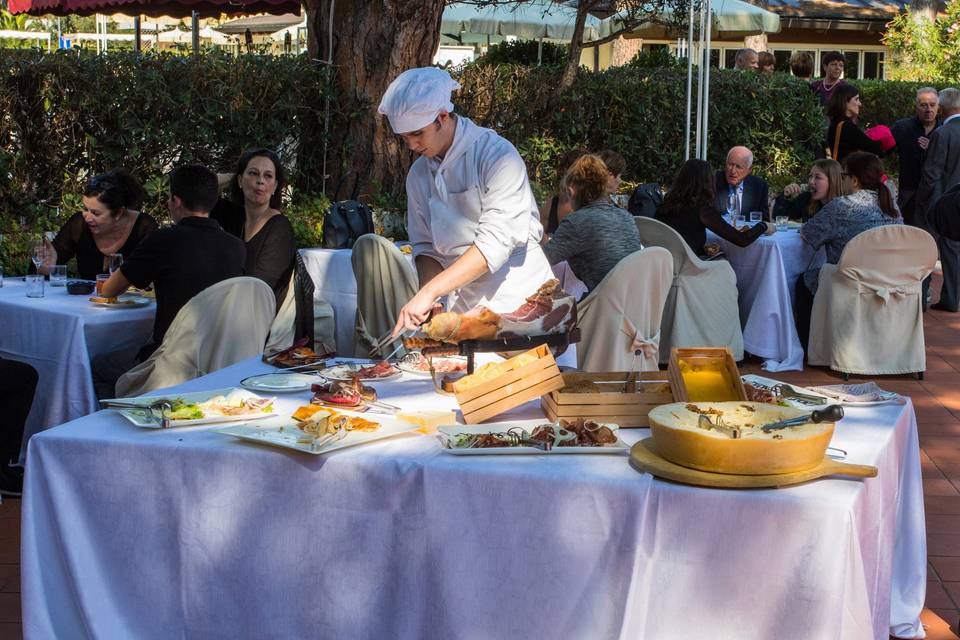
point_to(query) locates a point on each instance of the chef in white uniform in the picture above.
(471, 214)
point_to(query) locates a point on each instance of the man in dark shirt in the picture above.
(912, 135)
(180, 261)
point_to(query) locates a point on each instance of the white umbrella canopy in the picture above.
(293, 30)
(208, 34)
(529, 21)
(730, 18)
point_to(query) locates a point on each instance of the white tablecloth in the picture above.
(767, 273)
(334, 283)
(58, 335)
(189, 533)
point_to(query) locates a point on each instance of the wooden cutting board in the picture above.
(643, 458)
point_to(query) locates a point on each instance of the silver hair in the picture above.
(743, 53)
(950, 99)
(749, 155)
(923, 90)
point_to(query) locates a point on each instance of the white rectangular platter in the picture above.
(142, 418)
(769, 383)
(448, 433)
(291, 437)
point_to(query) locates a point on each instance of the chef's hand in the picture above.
(415, 312)
(923, 142)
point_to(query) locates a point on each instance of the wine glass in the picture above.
(37, 253)
(114, 260)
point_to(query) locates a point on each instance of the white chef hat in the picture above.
(415, 98)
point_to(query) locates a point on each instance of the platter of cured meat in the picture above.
(372, 371)
(419, 365)
(532, 437)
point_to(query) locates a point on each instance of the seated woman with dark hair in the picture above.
(598, 234)
(109, 223)
(253, 214)
(869, 205)
(688, 208)
(823, 185)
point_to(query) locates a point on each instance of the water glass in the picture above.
(58, 276)
(114, 261)
(755, 217)
(735, 220)
(782, 223)
(34, 286)
(732, 207)
(101, 278)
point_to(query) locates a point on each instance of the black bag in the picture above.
(344, 223)
(645, 200)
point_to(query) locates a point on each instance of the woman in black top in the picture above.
(688, 208)
(109, 223)
(844, 111)
(252, 214)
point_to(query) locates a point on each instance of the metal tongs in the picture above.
(833, 413)
(787, 391)
(163, 406)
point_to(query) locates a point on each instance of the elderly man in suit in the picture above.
(941, 171)
(751, 192)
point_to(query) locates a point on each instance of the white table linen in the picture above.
(190, 533)
(58, 335)
(335, 283)
(767, 272)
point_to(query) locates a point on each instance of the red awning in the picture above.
(154, 8)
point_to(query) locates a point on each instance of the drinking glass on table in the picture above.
(37, 253)
(101, 278)
(756, 216)
(782, 223)
(58, 275)
(114, 260)
(34, 286)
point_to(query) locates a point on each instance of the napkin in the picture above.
(864, 392)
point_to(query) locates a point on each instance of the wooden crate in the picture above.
(627, 409)
(720, 357)
(512, 388)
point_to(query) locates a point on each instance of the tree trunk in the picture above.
(576, 46)
(373, 42)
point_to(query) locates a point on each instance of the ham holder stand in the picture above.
(469, 348)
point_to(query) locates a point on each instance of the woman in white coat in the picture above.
(472, 217)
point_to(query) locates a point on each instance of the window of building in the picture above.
(873, 64)
(729, 58)
(650, 48)
(715, 58)
(851, 65)
(782, 58)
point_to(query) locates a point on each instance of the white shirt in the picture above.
(479, 195)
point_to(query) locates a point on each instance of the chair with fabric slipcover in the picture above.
(868, 311)
(701, 309)
(223, 324)
(620, 319)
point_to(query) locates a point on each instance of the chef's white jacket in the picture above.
(479, 195)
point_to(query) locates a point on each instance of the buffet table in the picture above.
(58, 335)
(190, 533)
(767, 273)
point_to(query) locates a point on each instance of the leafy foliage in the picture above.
(925, 50)
(524, 52)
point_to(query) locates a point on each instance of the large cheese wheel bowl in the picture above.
(679, 438)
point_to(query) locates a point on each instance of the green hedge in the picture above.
(65, 117)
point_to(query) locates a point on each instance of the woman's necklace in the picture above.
(830, 87)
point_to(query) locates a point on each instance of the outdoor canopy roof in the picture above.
(529, 21)
(175, 8)
(731, 18)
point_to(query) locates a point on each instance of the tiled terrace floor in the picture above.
(937, 402)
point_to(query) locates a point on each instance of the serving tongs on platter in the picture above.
(512, 437)
(788, 392)
(162, 406)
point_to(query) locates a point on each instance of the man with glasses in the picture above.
(912, 135)
(735, 183)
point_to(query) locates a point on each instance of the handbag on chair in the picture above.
(344, 223)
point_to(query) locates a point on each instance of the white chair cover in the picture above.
(622, 315)
(223, 324)
(868, 312)
(701, 309)
(284, 325)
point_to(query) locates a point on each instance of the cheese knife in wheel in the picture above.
(833, 413)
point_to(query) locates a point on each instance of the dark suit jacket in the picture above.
(943, 216)
(755, 195)
(941, 167)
